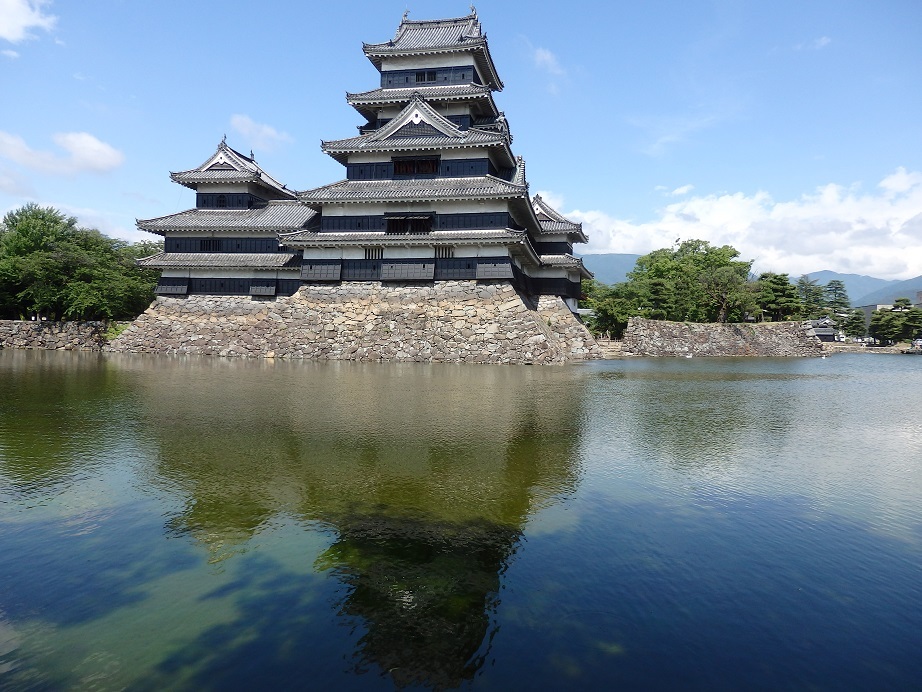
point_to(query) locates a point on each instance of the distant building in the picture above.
(825, 329)
(432, 192)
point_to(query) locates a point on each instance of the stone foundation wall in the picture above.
(448, 321)
(53, 336)
(657, 338)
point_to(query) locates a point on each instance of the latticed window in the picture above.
(412, 224)
(428, 165)
(211, 244)
(374, 253)
(425, 76)
(444, 252)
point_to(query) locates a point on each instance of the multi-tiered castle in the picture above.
(433, 198)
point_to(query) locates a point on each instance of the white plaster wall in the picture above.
(248, 233)
(323, 253)
(408, 252)
(420, 62)
(230, 273)
(481, 251)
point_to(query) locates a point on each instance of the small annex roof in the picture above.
(439, 36)
(228, 165)
(553, 222)
(568, 262)
(425, 190)
(336, 239)
(367, 102)
(220, 260)
(418, 127)
(279, 216)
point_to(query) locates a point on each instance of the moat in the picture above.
(208, 523)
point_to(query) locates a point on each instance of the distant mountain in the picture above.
(610, 268)
(857, 285)
(910, 288)
(862, 290)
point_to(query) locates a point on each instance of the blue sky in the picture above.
(791, 130)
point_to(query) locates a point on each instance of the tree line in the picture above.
(51, 268)
(694, 281)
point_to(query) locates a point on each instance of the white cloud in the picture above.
(19, 17)
(835, 227)
(14, 185)
(554, 200)
(103, 221)
(12, 54)
(84, 153)
(815, 44)
(684, 190)
(667, 131)
(546, 60)
(258, 136)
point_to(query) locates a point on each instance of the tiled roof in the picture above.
(553, 222)
(485, 187)
(566, 261)
(276, 216)
(228, 165)
(321, 239)
(431, 33)
(451, 92)
(340, 148)
(428, 130)
(438, 36)
(242, 260)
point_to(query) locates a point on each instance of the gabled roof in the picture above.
(278, 216)
(227, 165)
(430, 37)
(567, 262)
(418, 127)
(553, 222)
(426, 190)
(367, 102)
(244, 260)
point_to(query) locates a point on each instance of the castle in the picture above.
(434, 212)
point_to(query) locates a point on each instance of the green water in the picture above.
(224, 524)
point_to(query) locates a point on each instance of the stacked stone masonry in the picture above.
(52, 336)
(777, 339)
(448, 321)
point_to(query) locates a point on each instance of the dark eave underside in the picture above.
(328, 239)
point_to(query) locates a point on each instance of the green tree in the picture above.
(854, 325)
(694, 281)
(902, 322)
(49, 267)
(777, 297)
(811, 296)
(835, 297)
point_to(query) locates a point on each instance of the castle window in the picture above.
(374, 253)
(444, 252)
(413, 166)
(408, 224)
(211, 245)
(222, 201)
(425, 76)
